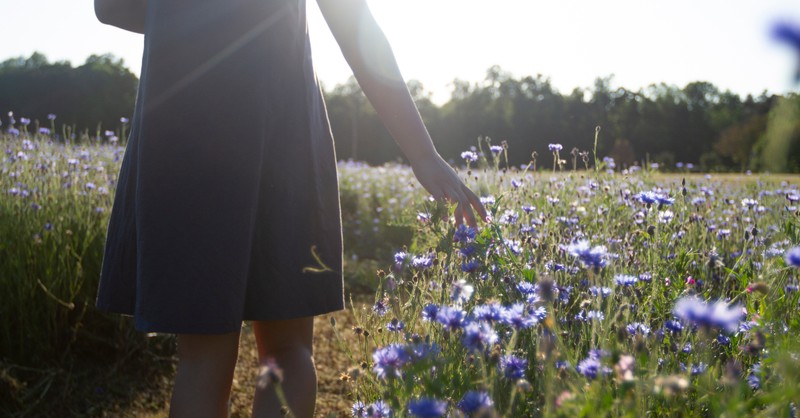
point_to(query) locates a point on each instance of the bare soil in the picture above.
(333, 396)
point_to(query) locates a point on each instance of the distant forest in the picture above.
(699, 124)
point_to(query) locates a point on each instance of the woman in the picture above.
(228, 187)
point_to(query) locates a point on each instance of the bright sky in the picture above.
(641, 42)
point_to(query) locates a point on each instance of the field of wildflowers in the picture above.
(592, 292)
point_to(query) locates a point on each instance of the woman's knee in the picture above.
(276, 338)
(211, 348)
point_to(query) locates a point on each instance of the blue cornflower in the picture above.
(512, 367)
(516, 316)
(427, 408)
(753, 379)
(422, 261)
(638, 328)
(647, 197)
(591, 367)
(625, 280)
(379, 409)
(594, 257)
(473, 401)
(358, 410)
(469, 156)
(389, 360)
(464, 234)
(595, 315)
(479, 336)
(492, 312)
(793, 257)
(673, 326)
(600, 291)
(452, 318)
(539, 313)
(509, 217)
(664, 201)
(468, 250)
(429, 312)
(723, 339)
(400, 257)
(696, 311)
(51, 116)
(555, 147)
(380, 307)
(496, 149)
(470, 266)
(699, 368)
(395, 325)
(423, 350)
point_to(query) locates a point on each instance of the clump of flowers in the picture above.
(693, 310)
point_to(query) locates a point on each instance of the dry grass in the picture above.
(333, 400)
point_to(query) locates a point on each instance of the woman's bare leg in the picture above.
(289, 343)
(205, 372)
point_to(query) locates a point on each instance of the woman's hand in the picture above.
(442, 182)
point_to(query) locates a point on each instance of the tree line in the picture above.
(698, 123)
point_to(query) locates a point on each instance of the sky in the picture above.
(639, 42)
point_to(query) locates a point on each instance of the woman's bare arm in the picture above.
(370, 56)
(124, 14)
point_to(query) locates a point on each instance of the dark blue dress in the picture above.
(229, 176)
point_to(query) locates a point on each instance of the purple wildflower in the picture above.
(358, 410)
(696, 311)
(464, 234)
(469, 156)
(470, 266)
(594, 257)
(379, 409)
(555, 147)
(395, 325)
(473, 401)
(389, 360)
(673, 326)
(513, 367)
(427, 408)
(625, 280)
(793, 257)
(591, 367)
(496, 149)
(635, 328)
(491, 313)
(479, 336)
(516, 316)
(429, 312)
(422, 261)
(380, 307)
(452, 318)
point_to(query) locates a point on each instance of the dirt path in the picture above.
(333, 398)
